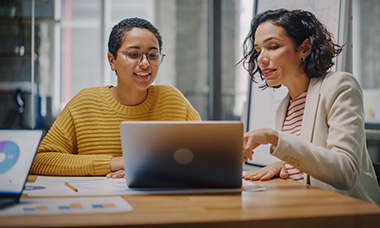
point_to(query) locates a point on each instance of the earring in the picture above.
(303, 59)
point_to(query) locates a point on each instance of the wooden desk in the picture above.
(284, 203)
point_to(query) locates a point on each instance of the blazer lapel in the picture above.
(310, 112)
(281, 112)
(311, 109)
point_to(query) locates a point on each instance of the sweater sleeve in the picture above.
(58, 153)
(192, 114)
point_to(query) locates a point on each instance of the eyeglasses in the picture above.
(135, 57)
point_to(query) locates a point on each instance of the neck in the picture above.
(298, 86)
(128, 98)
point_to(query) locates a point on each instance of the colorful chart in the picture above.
(35, 206)
(9, 154)
(70, 206)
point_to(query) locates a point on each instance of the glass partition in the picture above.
(70, 53)
(366, 67)
(26, 51)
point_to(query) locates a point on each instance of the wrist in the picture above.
(117, 163)
(274, 138)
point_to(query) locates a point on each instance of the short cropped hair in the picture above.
(117, 34)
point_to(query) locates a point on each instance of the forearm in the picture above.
(59, 164)
(332, 166)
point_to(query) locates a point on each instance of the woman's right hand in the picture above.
(255, 138)
(268, 172)
(117, 174)
(117, 163)
(117, 168)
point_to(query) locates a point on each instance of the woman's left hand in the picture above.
(117, 174)
(268, 172)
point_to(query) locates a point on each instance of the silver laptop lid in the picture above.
(182, 154)
(17, 151)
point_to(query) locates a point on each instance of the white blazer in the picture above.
(332, 147)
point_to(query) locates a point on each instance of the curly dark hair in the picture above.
(117, 33)
(299, 25)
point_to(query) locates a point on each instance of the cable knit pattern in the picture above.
(86, 134)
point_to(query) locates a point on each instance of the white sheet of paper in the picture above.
(94, 186)
(87, 186)
(67, 206)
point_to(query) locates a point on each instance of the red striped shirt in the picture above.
(292, 125)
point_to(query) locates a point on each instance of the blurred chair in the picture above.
(16, 113)
(376, 166)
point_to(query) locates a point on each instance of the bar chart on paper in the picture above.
(68, 205)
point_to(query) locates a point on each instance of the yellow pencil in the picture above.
(71, 187)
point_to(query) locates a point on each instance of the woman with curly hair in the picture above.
(319, 134)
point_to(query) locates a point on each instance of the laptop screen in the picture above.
(17, 151)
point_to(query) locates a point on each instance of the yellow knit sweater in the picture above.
(86, 134)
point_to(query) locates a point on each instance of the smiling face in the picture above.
(135, 77)
(278, 59)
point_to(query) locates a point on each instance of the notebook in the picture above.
(182, 154)
(17, 151)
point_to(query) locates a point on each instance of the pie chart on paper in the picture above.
(9, 154)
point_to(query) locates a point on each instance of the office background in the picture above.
(202, 41)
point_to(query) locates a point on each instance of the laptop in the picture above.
(182, 154)
(17, 151)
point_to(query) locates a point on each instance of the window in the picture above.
(184, 26)
(71, 50)
(366, 55)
